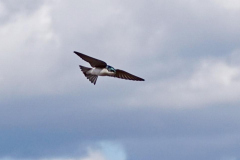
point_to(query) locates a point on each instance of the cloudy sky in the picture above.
(187, 51)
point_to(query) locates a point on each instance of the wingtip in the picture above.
(140, 79)
(76, 52)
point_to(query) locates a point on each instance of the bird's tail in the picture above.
(84, 69)
(92, 78)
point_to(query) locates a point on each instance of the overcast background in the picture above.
(188, 52)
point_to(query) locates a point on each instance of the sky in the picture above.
(187, 108)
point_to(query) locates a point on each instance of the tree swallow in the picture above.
(100, 68)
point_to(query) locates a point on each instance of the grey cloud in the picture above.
(11, 8)
(55, 131)
(19, 6)
(48, 108)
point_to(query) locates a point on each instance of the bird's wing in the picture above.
(125, 75)
(92, 61)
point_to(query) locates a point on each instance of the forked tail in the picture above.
(91, 78)
(84, 69)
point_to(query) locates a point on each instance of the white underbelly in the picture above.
(99, 72)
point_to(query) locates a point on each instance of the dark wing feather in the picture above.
(125, 75)
(92, 78)
(92, 61)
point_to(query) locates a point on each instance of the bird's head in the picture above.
(110, 69)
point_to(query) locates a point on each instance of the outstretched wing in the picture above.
(92, 61)
(125, 75)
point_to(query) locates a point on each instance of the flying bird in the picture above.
(100, 68)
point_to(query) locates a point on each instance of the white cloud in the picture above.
(213, 74)
(23, 36)
(23, 30)
(30, 59)
(228, 4)
(213, 82)
(92, 155)
(3, 10)
(156, 38)
(29, 56)
(106, 151)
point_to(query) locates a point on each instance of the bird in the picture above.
(100, 68)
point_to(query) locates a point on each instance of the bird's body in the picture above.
(100, 68)
(100, 72)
